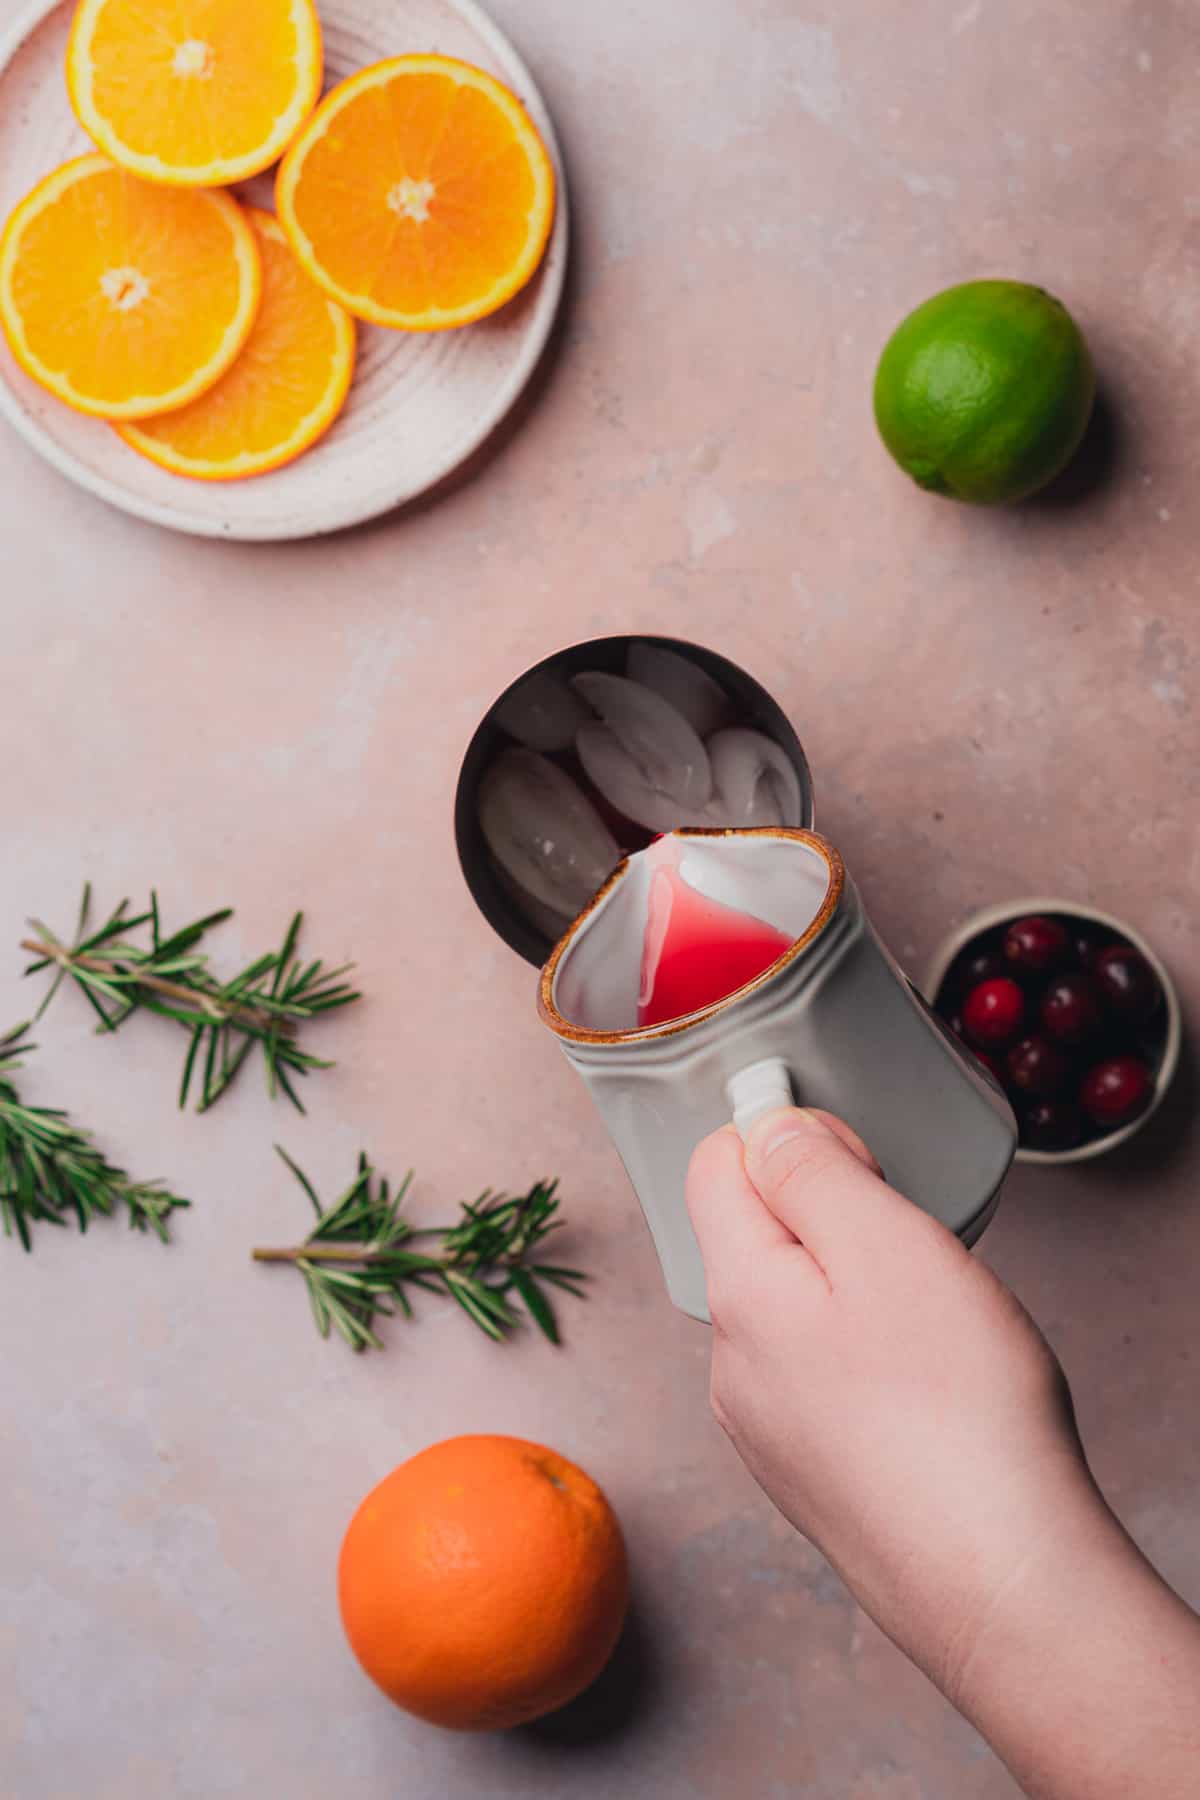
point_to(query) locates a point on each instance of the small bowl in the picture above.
(1004, 914)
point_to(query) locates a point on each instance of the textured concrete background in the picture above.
(993, 704)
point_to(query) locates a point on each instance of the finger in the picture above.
(849, 1137)
(820, 1181)
(736, 1232)
(727, 1214)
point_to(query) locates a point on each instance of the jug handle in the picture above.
(760, 1088)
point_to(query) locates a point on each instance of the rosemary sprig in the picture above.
(171, 976)
(358, 1258)
(50, 1169)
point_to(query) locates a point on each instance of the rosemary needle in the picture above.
(170, 975)
(51, 1169)
(359, 1258)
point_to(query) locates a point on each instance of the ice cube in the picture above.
(668, 755)
(544, 832)
(541, 712)
(691, 691)
(754, 781)
(549, 920)
(618, 778)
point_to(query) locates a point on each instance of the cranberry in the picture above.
(1116, 1091)
(1127, 983)
(1052, 1125)
(1071, 1009)
(1037, 1068)
(1084, 944)
(990, 1064)
(1035, 945)
(993, 1011)
(980, 965)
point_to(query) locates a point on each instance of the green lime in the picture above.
(984, 392)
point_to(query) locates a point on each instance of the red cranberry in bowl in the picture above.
(1036, 1068)
(1052, 1125)
(993, 1013)
(990, 1064)
(1116, 1091)
(1071, 1009)
(980, 965)
(1035, 945)
(1085, 943)
(1127, 983)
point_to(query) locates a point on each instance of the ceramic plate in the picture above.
(420, 404)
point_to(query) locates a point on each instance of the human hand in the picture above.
(902, 1409)
(889, 1393)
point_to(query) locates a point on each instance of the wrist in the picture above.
(982, 1571)
(1054, 1670)
(1028, 1608)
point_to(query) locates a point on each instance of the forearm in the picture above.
(901, 1408)
(1085, 1678)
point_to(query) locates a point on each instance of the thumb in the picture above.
(820, 1180)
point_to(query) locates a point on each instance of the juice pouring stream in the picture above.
(696, 950)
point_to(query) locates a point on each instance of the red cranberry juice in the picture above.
(697, 950)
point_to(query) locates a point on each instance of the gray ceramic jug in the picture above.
(834, 1023)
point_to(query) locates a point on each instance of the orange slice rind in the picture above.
(283, 392)
(419, 194)
(194, 93)
(122, 298)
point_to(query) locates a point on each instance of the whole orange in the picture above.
(483, 1583)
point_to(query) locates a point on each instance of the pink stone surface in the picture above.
(992, 703)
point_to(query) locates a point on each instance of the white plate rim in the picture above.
(534, 343)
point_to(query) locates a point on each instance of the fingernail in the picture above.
(775, 1129)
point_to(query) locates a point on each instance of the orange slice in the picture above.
(285, 389)
(122, 298)
(194, 92)
(419, 194)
